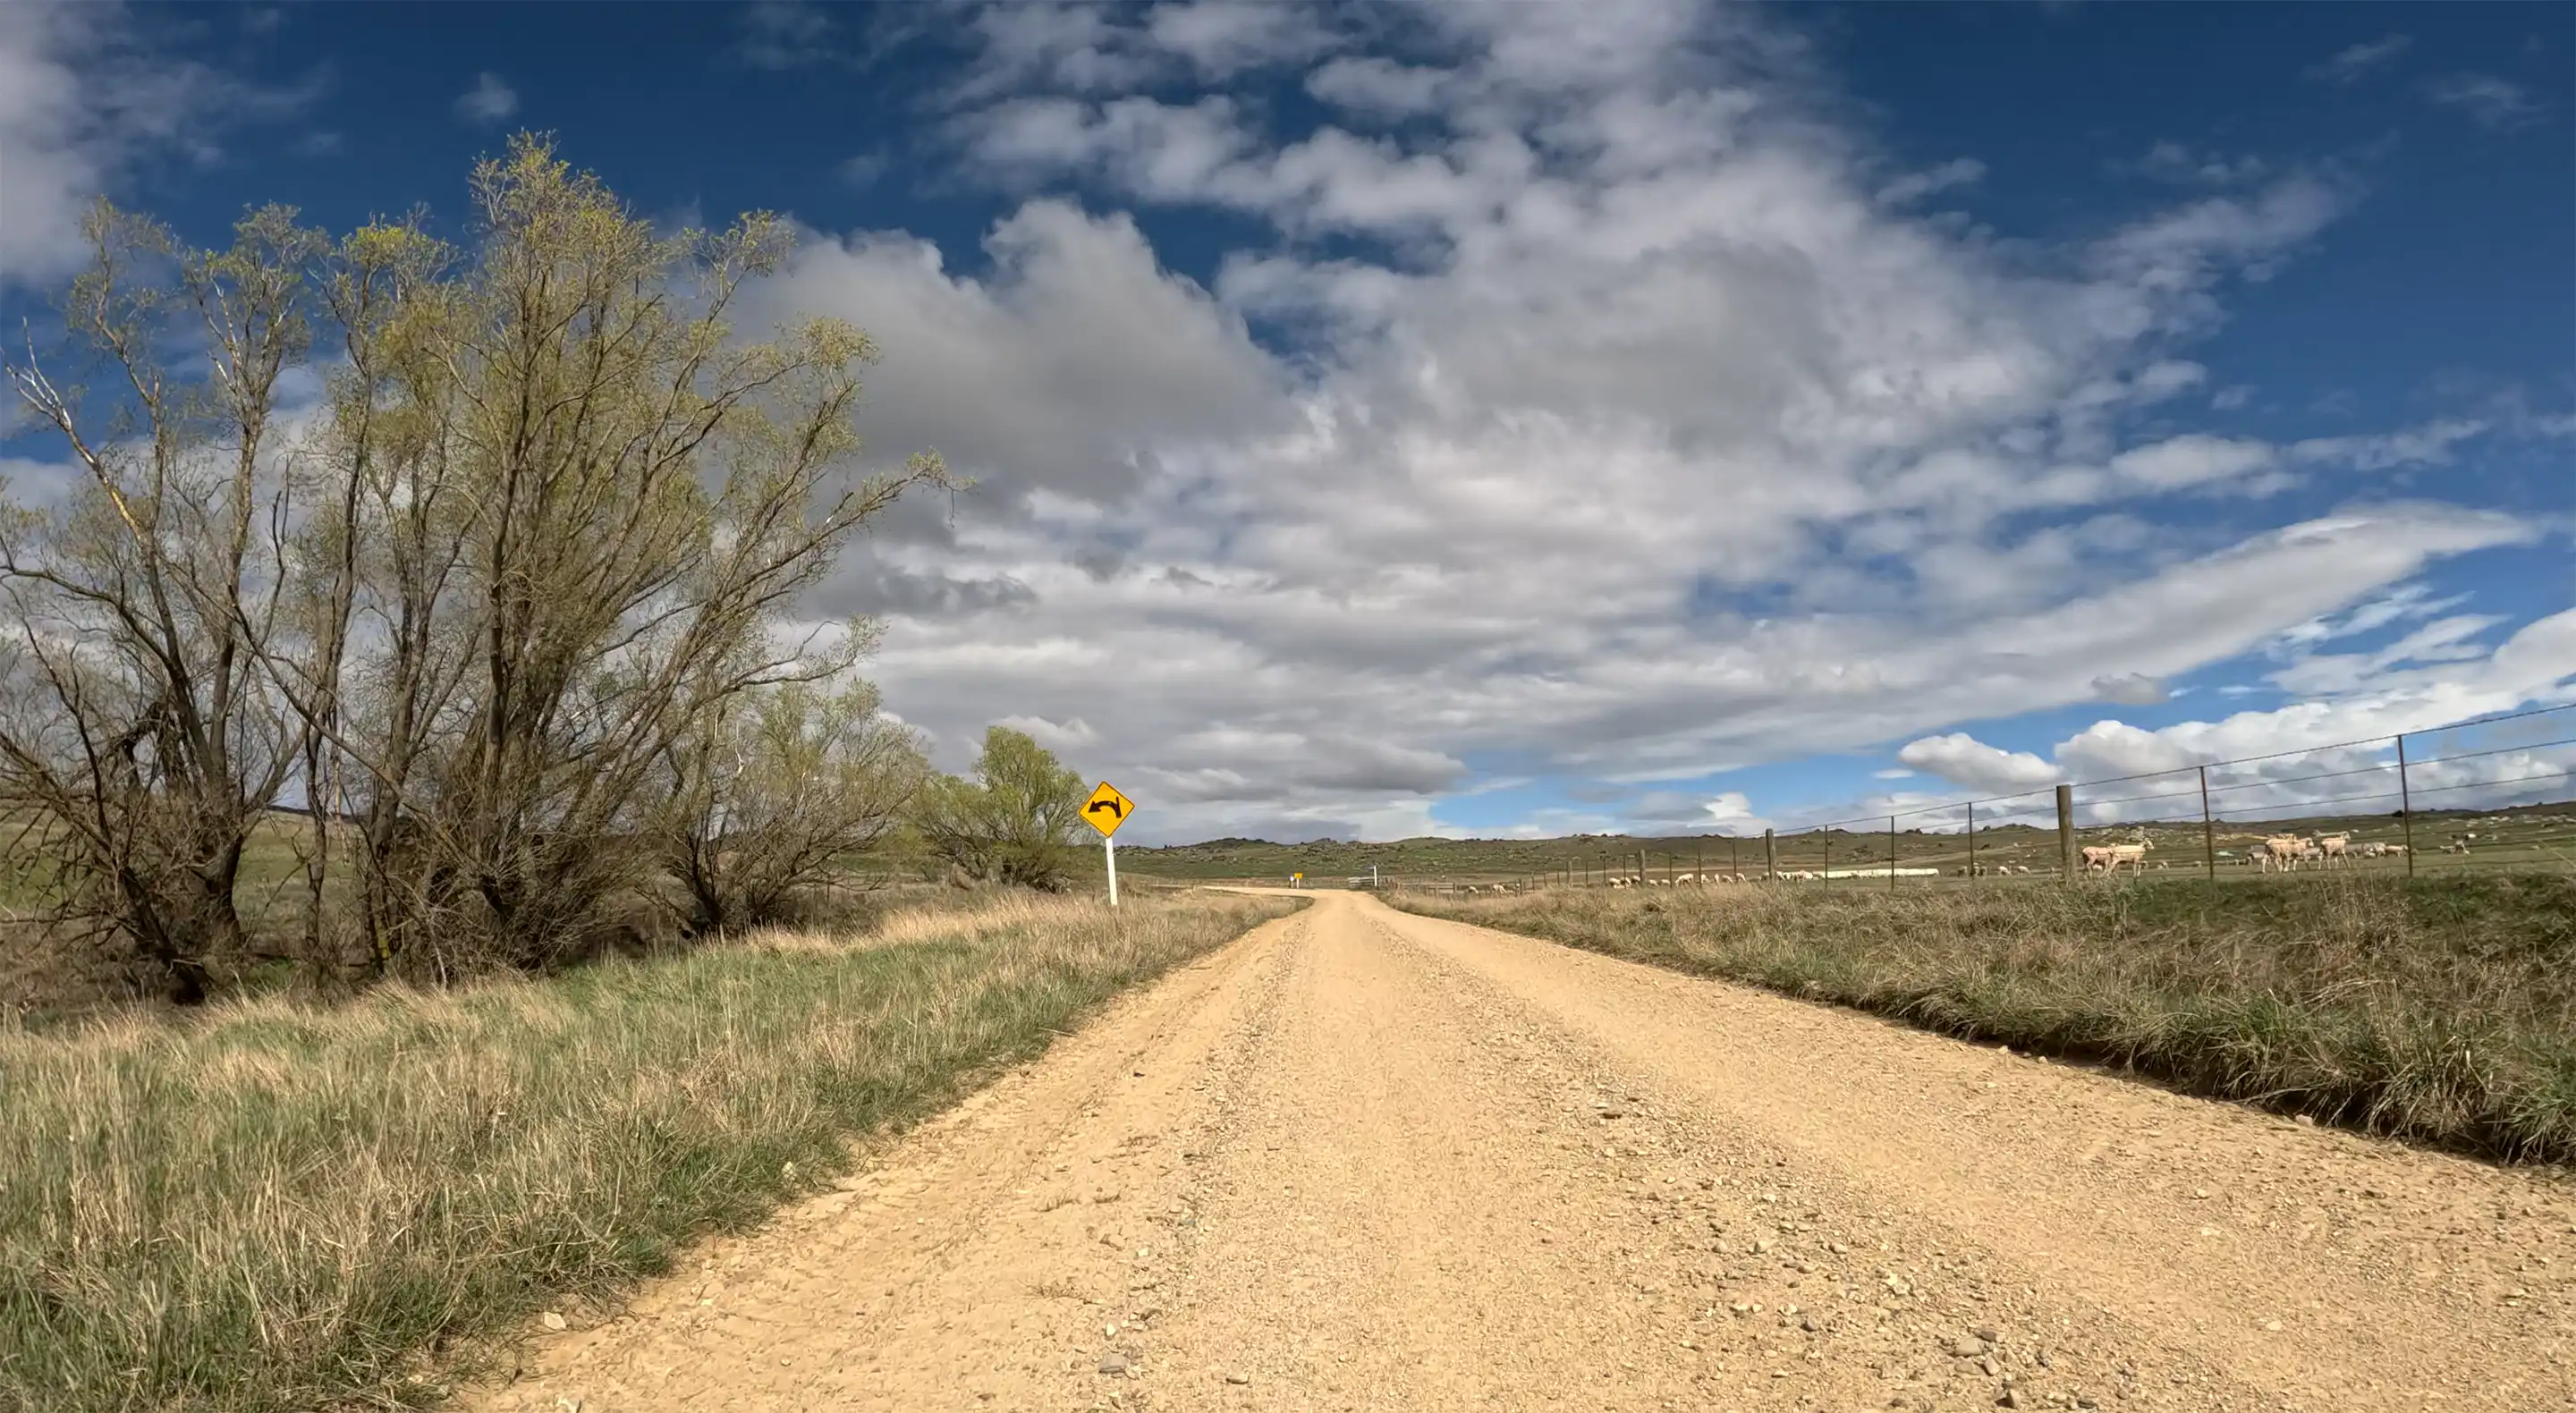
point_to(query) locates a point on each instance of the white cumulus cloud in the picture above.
(1620, 433)
(1964, 760)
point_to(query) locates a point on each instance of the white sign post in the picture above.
(1105, 811)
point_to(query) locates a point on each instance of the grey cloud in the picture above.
(1072, 735)
(1100, 563)
(1223, 37)
(2129, 689)
(888, 590)
(1376, 85)
(1066, 370)
(1348, 763)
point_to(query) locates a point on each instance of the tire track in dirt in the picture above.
(1363, 1160)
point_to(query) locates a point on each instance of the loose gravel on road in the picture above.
(1364, 1160)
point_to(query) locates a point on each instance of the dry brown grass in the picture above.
(279, 1205)
(2439, 1009)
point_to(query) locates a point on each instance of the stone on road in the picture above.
(1359, 1160)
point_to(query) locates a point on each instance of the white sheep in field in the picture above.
(2281, 851)
(2108, 858)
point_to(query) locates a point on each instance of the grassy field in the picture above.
(274, 1205)
(2441, 1009)
(2532, 836)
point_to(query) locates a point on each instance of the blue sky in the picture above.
(1541, 418)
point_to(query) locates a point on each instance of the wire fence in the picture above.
(2493, 793)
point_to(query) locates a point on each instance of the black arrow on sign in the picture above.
(1097, 806)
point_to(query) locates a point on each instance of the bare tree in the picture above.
(137, 750)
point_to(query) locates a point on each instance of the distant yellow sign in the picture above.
(1107, 809)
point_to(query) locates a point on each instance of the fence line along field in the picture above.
(2491, 795)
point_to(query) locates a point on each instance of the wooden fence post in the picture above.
(2066, 830)
(1770, 858)
(2405, 806)
(1972, 843)
(1891, 853)
(2208, 836)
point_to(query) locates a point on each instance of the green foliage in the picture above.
(545, 532)
(1014, 822)
(776, 797)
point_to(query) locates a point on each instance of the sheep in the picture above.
(2282, 851)
(2334, 846)
(2109, 857)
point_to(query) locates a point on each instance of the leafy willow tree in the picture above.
(137, 747)
(540, 535)
(1014, 821)
(778, 796)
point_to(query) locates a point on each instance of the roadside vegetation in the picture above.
(2441, 1010)
(415, 608)
(274, 1204)
(415, 739)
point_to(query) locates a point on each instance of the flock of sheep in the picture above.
(2289, 851)
(2284, 852)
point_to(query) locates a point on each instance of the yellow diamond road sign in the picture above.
(1107, 809)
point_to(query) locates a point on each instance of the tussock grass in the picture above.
(279, 1205)
(2441, 1010)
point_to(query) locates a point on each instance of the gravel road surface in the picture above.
(1363, 1160)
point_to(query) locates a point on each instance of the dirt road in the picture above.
(1361, 1160)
